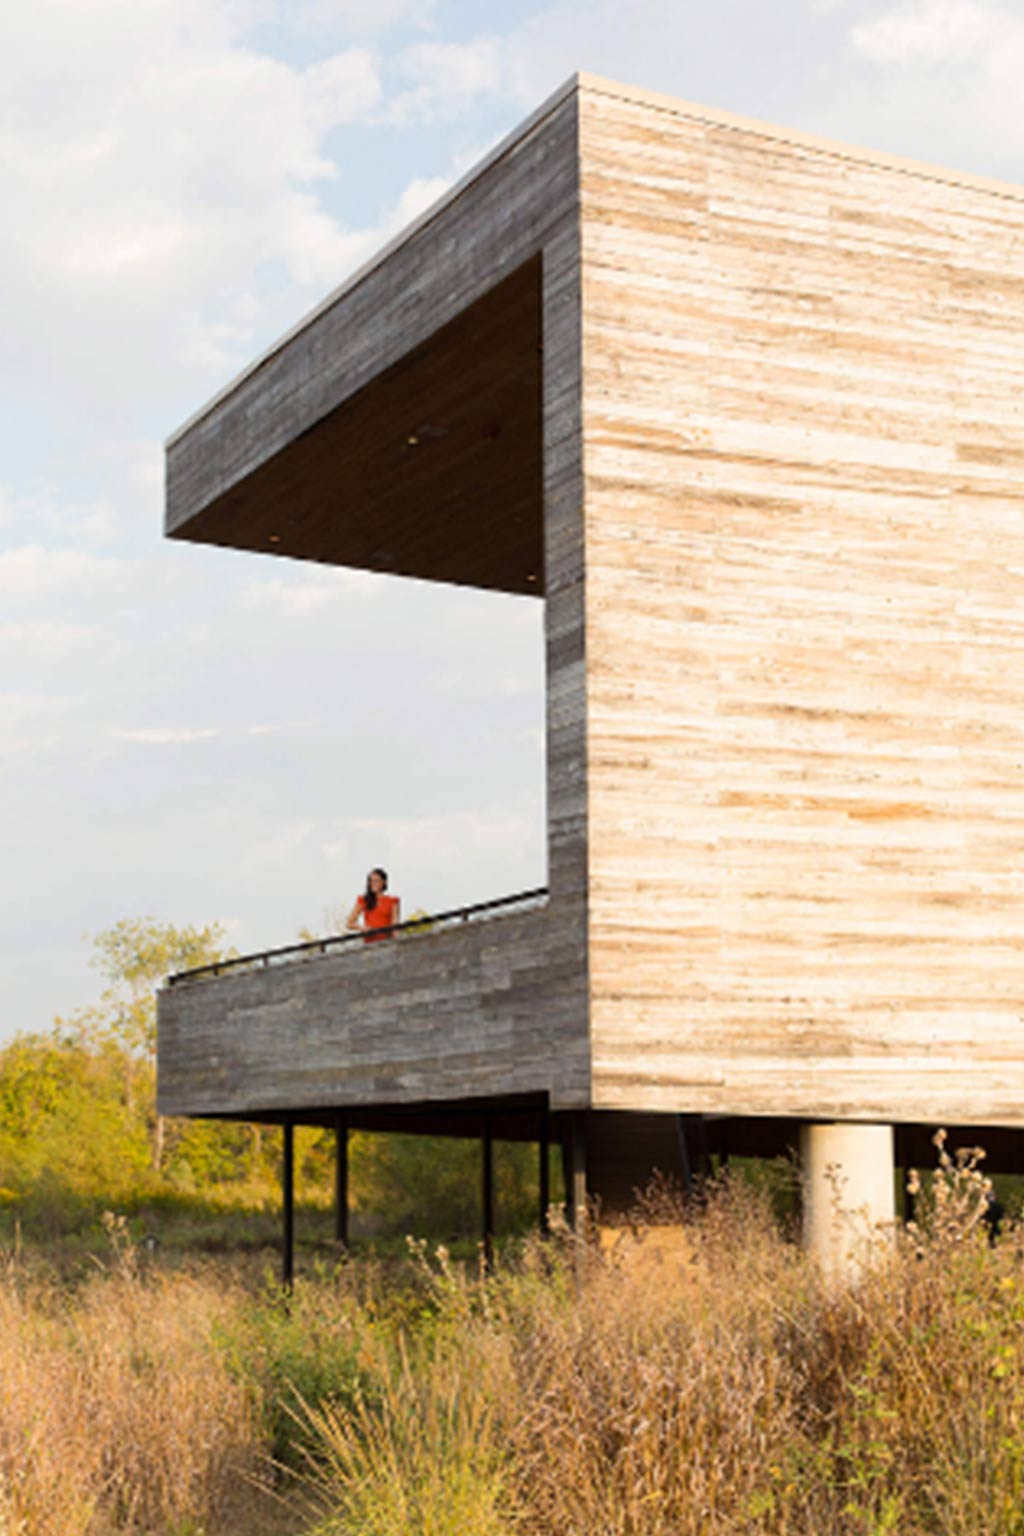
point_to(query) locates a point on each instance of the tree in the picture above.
(135, 955)
(66, 1120)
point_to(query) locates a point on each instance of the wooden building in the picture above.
(745, 410)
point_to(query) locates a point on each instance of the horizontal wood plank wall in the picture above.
(804, 462)
(468, 1012)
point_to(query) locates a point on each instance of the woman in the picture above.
(375, 909)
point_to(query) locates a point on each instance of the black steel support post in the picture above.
(288, 1205)
(685, 1165)
(701, 1149)
(901, 1149)
(488, 1191)
(341, 1181)
(544, 1179)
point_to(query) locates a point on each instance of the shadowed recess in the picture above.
(433, 469)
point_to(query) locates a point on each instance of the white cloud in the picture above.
(935, 32)
(93, 524)
(26, 721)
(73, 521)
(359, 17)
(337, 852)
(281, 844)
(32, 573)
(447, 77)
(15, 708)
(297, 595)
(160, 175)
(417, 198)
(424, 841)
(466, 682)
(161, 736)
(44, 639)
(950, 73)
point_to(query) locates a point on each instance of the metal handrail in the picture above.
(335, 940)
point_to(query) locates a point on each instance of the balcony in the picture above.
(477, 1004)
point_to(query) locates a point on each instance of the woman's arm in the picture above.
(354, 916)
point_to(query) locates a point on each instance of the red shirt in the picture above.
(382, 916)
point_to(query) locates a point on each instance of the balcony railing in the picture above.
(413, 927)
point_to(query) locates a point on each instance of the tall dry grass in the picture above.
(706, 1383)
(117, 1410)
(717, 1385)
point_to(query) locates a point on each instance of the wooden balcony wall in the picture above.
(471, 1012)
(804, 454)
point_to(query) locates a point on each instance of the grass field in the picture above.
(704, 1382)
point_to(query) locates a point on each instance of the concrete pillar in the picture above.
(848, 1175)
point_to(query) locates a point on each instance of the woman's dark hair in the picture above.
(370, 898)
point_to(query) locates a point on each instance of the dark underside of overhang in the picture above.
(525, 1119)
(432, 470)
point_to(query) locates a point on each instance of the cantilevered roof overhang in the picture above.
(399, 428)
(433, 469)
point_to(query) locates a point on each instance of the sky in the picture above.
(200, 735)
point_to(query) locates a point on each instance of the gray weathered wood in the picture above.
(483, 1009)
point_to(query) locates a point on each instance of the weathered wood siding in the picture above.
(493, 1009)
(804, 471)
(468, 1012)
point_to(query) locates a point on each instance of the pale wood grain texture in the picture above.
(804, 454)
